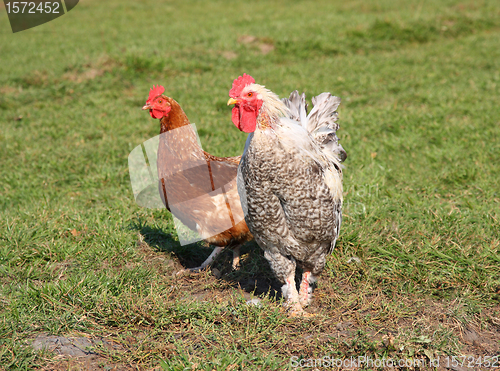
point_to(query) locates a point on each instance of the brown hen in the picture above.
(198, 188)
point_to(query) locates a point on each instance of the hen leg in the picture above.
(211, 258)
(236, 257)
(305, 292)
(206, 263)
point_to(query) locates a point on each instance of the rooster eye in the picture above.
(160, 101)
(250, 94)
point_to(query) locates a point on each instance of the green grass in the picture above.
(420, 121)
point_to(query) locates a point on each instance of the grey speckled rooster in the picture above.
(290, 181)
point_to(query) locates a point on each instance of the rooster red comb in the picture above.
(239, 84)
(154, 92)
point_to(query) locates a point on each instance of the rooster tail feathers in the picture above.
(321, 122)
(298, 107)
(324, 112)
(323, 126)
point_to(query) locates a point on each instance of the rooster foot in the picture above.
(308, 315)
(295, 310)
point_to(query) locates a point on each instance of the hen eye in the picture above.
(250, 94)
(160, 101)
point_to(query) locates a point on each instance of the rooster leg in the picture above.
(284, 269)
(305, 292)
(205, 264)
(236, 258)
(292, 297)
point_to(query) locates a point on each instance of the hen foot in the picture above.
(203, 265)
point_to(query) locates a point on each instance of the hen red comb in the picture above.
(239, 84)
(154, 92)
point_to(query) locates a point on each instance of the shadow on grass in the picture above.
(254, 275)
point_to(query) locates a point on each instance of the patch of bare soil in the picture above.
(229, 55)
(263, 44)
(89, 71)
(77, 353)
(7, 90)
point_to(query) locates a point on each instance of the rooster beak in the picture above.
(231, 101)
(147, 106)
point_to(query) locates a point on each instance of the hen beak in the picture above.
(231, 101)
(146, 106)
